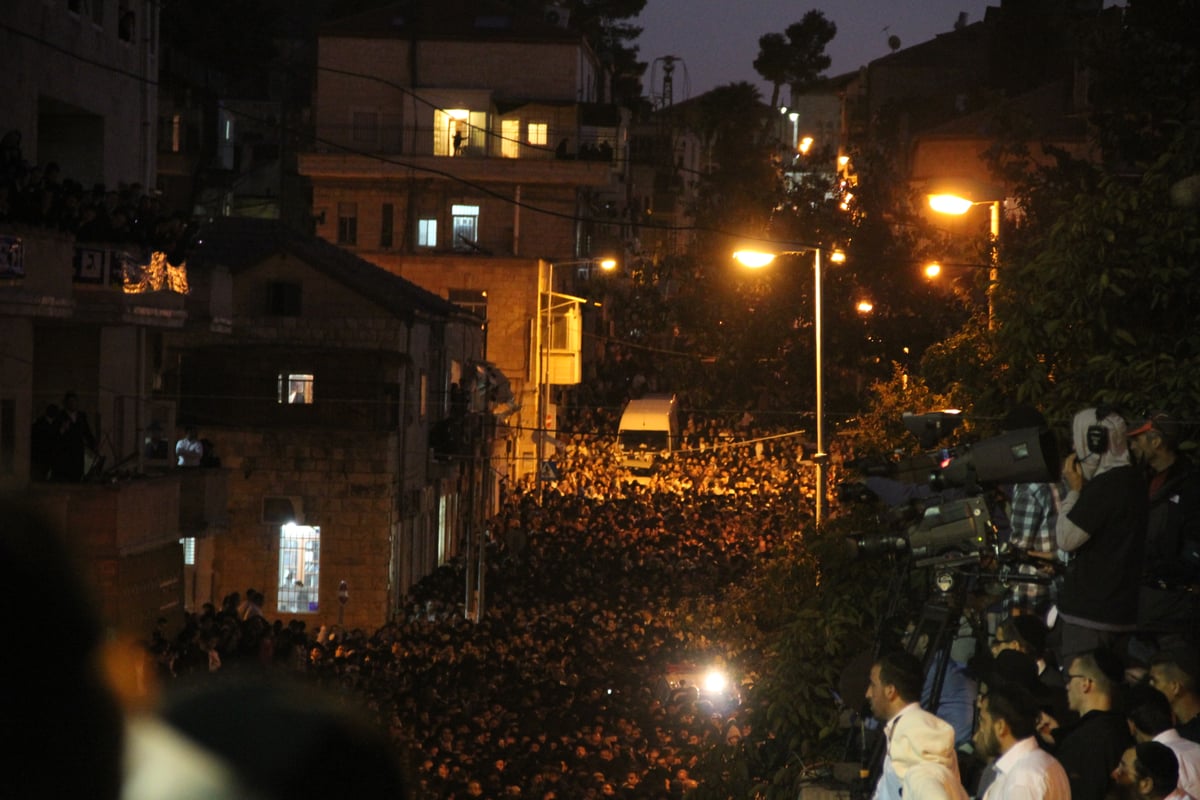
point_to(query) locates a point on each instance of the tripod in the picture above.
(930, 637)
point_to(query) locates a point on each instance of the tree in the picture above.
(1099, 288)
(795, 57)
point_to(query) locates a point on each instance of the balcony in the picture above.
(126, 517)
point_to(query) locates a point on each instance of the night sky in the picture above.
(718, 39)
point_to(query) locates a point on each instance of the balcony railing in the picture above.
(562, 143)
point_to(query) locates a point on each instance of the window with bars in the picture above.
(299, 568)
(295, 388)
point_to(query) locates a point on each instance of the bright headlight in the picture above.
(715, 681)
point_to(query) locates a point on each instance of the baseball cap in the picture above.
(1159, 421)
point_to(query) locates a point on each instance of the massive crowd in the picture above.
(570, 684)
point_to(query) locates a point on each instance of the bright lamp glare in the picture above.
(608, 264)
(715, 681)
(949, 204)
(838, 257)
(753, 258)
(933, 270)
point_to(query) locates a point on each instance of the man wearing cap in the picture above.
(1168, 603)
(915, 738)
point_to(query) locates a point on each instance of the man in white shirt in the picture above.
(1007, 722)
(189, 449)
(914, 735)
(1150, 720)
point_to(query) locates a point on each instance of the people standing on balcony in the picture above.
(75, 440)
(189, 451)
(43, 442)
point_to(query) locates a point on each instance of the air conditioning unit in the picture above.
(282, 510)
(556, 15)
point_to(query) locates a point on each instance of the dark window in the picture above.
(283, 299)
(473, 300)
(347, 223)
(386, 226)
(8, 435)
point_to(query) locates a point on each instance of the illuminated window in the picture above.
(457, 131)
(299, 568)
(539, 133)
(427, 233)
(510, 135)
(295, 388)
(465, 226)
(189, 550)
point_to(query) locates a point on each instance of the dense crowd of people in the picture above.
(565, 686)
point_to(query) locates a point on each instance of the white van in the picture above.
(649, 430)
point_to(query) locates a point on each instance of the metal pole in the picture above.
(543, 374)
(993, 272)
(820, 456)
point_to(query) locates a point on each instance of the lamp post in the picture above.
(957, 205)
(756, 259)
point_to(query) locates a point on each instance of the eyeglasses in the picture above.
(1071, 677)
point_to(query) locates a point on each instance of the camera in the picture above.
(944, 488)
(954, 531)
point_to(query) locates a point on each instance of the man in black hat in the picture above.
(1168, 604)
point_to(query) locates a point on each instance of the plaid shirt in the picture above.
(1033, 517)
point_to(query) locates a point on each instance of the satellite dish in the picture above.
(894, 42)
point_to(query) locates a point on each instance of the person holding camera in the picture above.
(1102, 525)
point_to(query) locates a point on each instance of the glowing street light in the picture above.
(957, 205)
(756, 259)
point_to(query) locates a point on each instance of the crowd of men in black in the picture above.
(561, 688)
(40, 195)
(564, 687)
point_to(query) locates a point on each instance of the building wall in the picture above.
(346, 484)
(97, 123)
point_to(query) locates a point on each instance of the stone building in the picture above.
(320, 392)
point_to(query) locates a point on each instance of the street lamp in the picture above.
(548, 301)
(756, 259)
(957, 205)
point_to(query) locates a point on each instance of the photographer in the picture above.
(1102, 524)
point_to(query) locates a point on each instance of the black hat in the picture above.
(1014, 668)
(1032, 631)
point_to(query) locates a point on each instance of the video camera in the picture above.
(957, 528)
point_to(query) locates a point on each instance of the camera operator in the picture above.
(1032, 520)
(1102, 524)
(1169, 605)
